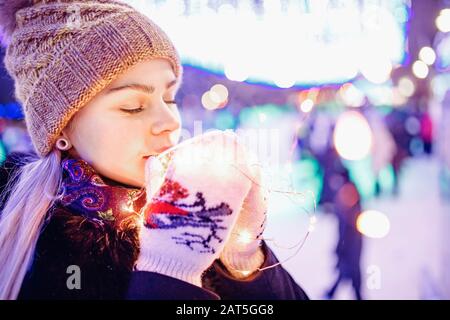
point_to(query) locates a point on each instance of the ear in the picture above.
(64, 135)
(71, 149)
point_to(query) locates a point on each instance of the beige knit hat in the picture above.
(61, 53)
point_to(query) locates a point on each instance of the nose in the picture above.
(165, 121)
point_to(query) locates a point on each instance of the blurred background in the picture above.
(345, 102)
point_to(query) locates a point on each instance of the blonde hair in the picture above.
(32, 191)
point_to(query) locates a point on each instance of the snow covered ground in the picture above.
(411, 262)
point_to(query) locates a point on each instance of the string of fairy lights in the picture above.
(244, 236)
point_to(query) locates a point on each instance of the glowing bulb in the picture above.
(373, 224)
(312, 223)
(245, 272)
(307, 105)
(406, 87)
(245, 237)
(420, 69)
(128, 208)
(352, 136)
(427, 55)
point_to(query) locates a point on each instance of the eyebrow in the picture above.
(147, 89)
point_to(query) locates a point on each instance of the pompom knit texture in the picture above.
(61, 53)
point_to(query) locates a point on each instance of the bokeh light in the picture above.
(373, 224)
(376, 70)
(208, 103)
(406, 86)
(352, 136)
(220, 93)
(427, 55)
(443, 20)
(352, 96)
(307, 105)
(235, 73)
(420, 69)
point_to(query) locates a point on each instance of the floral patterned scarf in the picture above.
(97, 198)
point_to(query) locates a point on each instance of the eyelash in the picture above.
(137, 110)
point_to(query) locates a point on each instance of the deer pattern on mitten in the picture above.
(170, 210)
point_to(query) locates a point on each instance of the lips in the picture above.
(161, 150)
(158, 151)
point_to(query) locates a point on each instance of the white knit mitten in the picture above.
(194, 196)
(242, 254)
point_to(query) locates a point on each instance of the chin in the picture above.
(133, 182)
(137, 183)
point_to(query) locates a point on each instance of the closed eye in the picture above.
(171, 102)
(137, 110)
(140, 109)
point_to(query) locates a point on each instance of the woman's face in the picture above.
(134, 117)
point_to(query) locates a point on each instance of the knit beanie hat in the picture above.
(61, 53)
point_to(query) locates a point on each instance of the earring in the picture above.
(63, 144)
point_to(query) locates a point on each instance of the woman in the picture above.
(97, 81)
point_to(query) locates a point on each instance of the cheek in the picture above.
(113, 150)
(110, 140)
